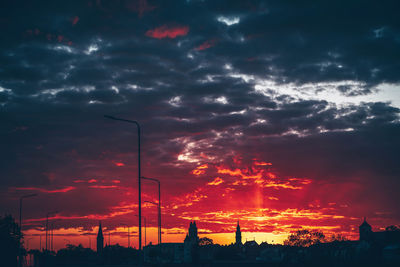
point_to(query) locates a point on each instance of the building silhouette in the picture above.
(382, 238)
(192, 235)
(190, 243)
(238, 236)
(100, 239)
(365, 231)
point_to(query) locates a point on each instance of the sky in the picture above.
(281, 115)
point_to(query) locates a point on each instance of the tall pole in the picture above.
(51, 236)
(20, 214)
(159, 205)
(47, 227)
(139, 177)
(47, 224)
(145, 242)
(20, 209)
(129, 241)
(140, 192)
(159, 213)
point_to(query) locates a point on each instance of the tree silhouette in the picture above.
(10, 241)
(205, 241)
(305, 238)
(392, 228)
(75, 255)
(337, 237)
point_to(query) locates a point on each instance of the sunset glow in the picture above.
(279, 116)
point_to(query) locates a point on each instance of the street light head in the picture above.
(109, 117)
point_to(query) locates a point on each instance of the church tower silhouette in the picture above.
(100, 239)
(365, 230)
(238, 235)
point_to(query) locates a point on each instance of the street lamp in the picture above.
(20, 221)
(151, 202)
(129, 241)
(20, 208)
(159, 205)
(47, 223)
(145, 230)
(139, 175)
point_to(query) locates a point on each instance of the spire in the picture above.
(365, 223)
(100, 239)
(238, 236)
(100, 233)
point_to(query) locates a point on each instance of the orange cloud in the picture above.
(103, 186)
(200, 169)
(262, 163)
(216, 181)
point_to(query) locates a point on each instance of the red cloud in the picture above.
(62, 190)
(140, 6)
(207, 44)
(167, 32)
(75, 20)
(103, 186)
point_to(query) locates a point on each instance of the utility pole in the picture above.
(159, 205)
(139, 180)
(47, 224)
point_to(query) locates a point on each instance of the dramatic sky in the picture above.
(278, 114)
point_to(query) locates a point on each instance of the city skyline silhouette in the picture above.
(146, 115)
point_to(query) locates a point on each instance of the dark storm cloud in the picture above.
(59, 75)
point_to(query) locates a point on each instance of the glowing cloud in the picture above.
(200, 169)
(216, 181)
(62, 190)
(229, 21)
(168, 32)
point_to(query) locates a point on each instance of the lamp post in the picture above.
(20, 208)
(139, 176)
(151, 202)
(47, 224)
(145, 230)
(20, 221)
(159, 205)
(126, 225)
